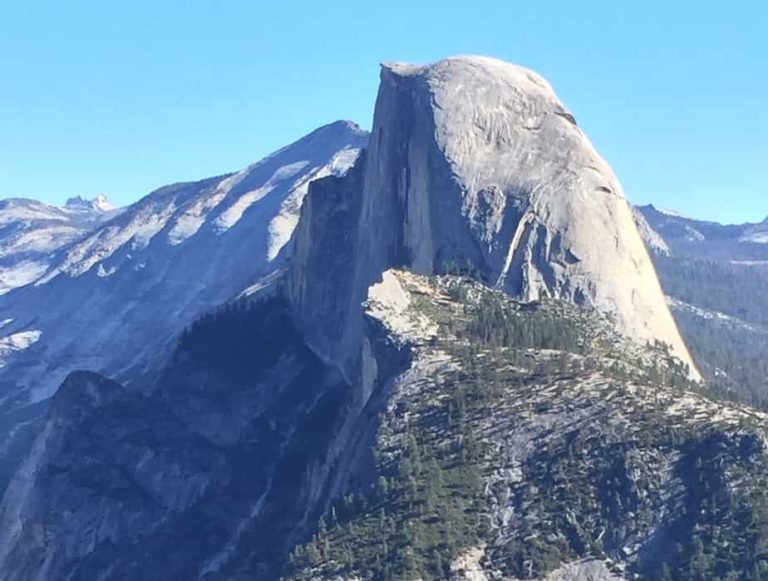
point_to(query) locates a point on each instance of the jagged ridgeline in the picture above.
(527, 439)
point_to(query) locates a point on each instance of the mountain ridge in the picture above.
(100, 203)
(117, 299)
(32, 232)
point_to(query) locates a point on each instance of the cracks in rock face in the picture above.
(522, 227)
(568, 117)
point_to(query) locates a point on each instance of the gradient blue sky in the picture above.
(125, 97)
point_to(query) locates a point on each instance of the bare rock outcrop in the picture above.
(475, 165)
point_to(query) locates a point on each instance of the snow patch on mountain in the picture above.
(749, 262)
(21, 274)
(100, 203)
(16, 342)
(136, 227)
(755, 237)
(103, 272)
(715, 316)
(31, 233)
(192, 219)
(187, 225)
(673, 213)
(232, 215)
(116, 299)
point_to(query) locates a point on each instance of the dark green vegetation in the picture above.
(542, 437)
(733, 289)
(731, 353)
(215, 455)
(241, 340)
(718, 269)
(721, 532)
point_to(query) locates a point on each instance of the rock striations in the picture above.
(474, 165)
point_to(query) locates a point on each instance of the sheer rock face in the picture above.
(474, 164)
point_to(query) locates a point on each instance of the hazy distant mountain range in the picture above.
(710, 240)
(31, 233)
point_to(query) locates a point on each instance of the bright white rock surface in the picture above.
(474, 164)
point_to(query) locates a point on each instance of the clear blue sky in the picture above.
(123, 97)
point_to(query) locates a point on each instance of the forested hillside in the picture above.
(716, 278)
(527, 439)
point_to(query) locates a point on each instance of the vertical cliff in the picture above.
(475, 165)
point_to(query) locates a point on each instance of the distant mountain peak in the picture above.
(335, 128)
(100, 203)
(349, 125)
(672, 212)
